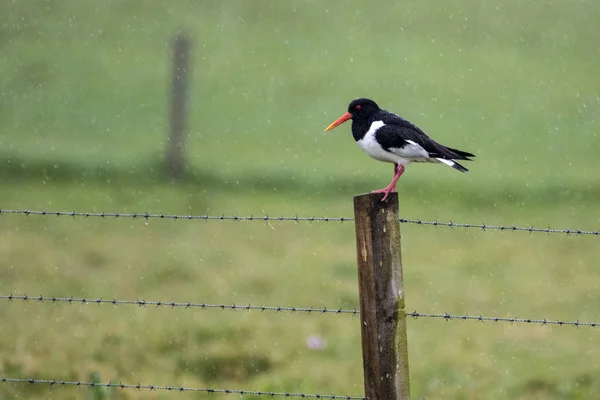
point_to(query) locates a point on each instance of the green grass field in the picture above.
(83, 104)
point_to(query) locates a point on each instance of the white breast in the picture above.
(372, 147)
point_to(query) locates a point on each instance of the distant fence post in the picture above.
(381, 287)
(175, 163)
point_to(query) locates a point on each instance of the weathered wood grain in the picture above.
(381, 288)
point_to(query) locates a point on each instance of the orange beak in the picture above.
(339, 121)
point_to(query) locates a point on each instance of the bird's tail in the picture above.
(453, 164)
(459, 167)
(462, 155)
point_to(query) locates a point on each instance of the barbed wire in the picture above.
(173, 304)
(266, 218)
(53, 383)
(506, 228)
(174, 216)
(309, 310)
(481, 318)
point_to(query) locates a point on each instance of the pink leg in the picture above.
(398, 170)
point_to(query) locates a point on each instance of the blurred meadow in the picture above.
(84, 100)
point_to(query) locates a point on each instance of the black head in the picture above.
(362, 108)
(358, 110)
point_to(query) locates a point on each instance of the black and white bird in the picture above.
(388, 137)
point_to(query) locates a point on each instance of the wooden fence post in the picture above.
(175, 163)
(381, 287)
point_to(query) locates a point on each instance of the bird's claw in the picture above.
(386, 191)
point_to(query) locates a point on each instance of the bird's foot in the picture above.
(386, 190)
(398, 171)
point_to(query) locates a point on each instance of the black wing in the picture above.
(398, 132)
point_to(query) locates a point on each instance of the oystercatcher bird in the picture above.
(388, 137)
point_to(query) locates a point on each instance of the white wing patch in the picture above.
(411, 150)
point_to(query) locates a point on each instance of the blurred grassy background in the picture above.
(83, 104)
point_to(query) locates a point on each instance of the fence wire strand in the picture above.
(266, 218)
(481, 318)
(308, 310)
(173, 304)
(241, 392)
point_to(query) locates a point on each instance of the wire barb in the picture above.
(139, 386)
(266, 218)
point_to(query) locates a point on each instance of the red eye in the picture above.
(358, 107)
